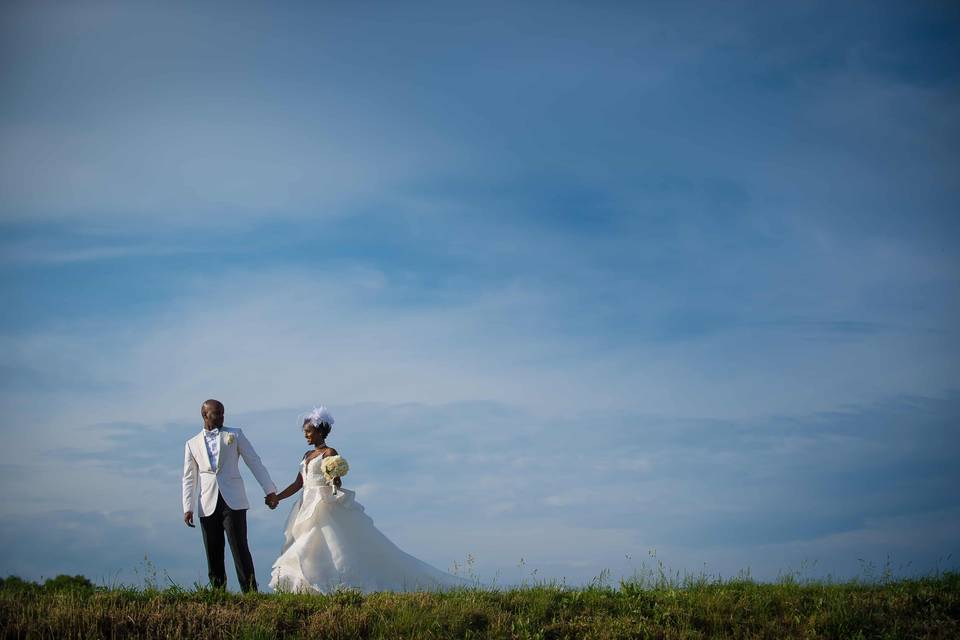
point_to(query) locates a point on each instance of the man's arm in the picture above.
(252, 460)
(190, 473)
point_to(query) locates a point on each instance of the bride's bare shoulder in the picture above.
(329, 451)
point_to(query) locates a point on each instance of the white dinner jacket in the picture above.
(225, 478)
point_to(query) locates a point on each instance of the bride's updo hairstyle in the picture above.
(323, 428)
(320, 419)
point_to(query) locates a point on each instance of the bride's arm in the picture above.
(295, 486)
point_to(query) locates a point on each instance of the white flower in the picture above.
(228, 438)
(334, 467)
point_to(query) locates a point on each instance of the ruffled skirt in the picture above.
(331, 543)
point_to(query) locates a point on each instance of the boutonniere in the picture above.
(228, 438)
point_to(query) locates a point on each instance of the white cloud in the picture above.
(289, 337)
(188, 168)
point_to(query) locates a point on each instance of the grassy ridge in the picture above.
(73, 608)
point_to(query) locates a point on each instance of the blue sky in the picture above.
(578, 282)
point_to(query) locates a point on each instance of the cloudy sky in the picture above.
(581, 282)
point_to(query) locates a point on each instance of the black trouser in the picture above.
(233, 523)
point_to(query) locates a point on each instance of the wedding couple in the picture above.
(329, 542)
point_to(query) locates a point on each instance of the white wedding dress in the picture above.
(330, 543)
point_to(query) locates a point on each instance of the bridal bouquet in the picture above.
(334, 467)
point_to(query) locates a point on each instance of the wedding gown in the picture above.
(330, 542)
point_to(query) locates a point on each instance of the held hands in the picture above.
(271, 500)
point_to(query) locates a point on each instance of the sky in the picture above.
(588, 287)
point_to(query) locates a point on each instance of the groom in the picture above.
(214, 455)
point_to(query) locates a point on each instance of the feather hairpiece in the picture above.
(318, 415)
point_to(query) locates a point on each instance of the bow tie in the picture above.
(213, 432)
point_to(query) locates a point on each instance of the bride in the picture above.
(329, 541)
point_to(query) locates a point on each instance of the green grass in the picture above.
(693, 608)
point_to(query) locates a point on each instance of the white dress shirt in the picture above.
(212, 440)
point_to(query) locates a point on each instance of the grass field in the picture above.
(71, 607)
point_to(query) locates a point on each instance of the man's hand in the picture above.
(188, 518)
(271, 500)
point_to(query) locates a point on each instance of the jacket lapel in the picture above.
(220, 449)
(202, 446)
